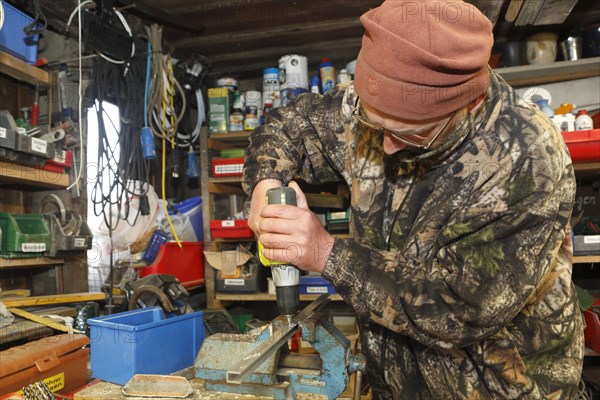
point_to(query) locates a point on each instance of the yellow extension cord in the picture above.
(169, 95)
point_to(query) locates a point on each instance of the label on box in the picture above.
(234, 282)
(33, 247)
(228, 223)
(2, 133)
(79, 242)
(39, 145)
(217, 109)
(54, 382)
(229, 168)
(60, 156)
(316, 289)
(591, 239)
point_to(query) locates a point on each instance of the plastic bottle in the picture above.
(545, 108)
(327, 72)
(583, 122)
(343, 76)
(236, 119)
(314, 85)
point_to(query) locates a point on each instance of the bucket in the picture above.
(192, 208)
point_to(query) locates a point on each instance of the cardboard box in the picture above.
(60, 360)
(218, 109)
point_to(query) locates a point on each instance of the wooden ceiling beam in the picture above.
(260, 35)
(266, 52)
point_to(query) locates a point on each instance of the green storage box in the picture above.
(23, 235)
(233, 153)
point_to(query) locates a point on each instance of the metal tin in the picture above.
(228, 82)
(270, 93)
(251, 120)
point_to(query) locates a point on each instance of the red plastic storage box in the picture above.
(583, 145)
(230, 229)
(227, 167)
(592, 327)
(186, 263)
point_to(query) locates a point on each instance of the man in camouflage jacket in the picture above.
(459, 261)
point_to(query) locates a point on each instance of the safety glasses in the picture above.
(421, 140)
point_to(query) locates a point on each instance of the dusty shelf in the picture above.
(586, 259)
(29, 262)
(21, 174)
(267, 297)
(527, 75)
(22, 71)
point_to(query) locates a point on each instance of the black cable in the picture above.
(113, 190)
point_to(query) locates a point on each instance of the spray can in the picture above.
(293, 76)
(270, 92)
(314, 85)
(327, 72)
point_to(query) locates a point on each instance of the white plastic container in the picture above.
(583, 122)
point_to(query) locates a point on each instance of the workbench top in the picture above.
(100, 390)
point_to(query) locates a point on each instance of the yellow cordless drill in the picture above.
(286, 277)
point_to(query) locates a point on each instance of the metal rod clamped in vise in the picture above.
(251, 361)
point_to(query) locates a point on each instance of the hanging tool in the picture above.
(35, 109)
(286, 277)
(192, 170)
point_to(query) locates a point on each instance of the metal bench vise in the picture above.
(261, 365)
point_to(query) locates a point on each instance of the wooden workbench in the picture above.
(100, 390)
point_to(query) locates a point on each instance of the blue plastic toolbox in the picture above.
(143, 342)
(12, 38)
(314, 284)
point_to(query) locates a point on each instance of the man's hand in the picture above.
(293, 234)
(258, 201)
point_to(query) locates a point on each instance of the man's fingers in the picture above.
(282, 211)
(300, 197)
(277, 225)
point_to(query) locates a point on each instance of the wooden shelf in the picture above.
(593, 166)
(20, 174)
(590, 353)
(22, 71)
(528, 75)
(267, 297)
(225, 179)
(29, 262)
(231, 136)
(586, 259)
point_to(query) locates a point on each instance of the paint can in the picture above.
(228, 82)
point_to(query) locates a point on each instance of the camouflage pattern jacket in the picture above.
(459, 265)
